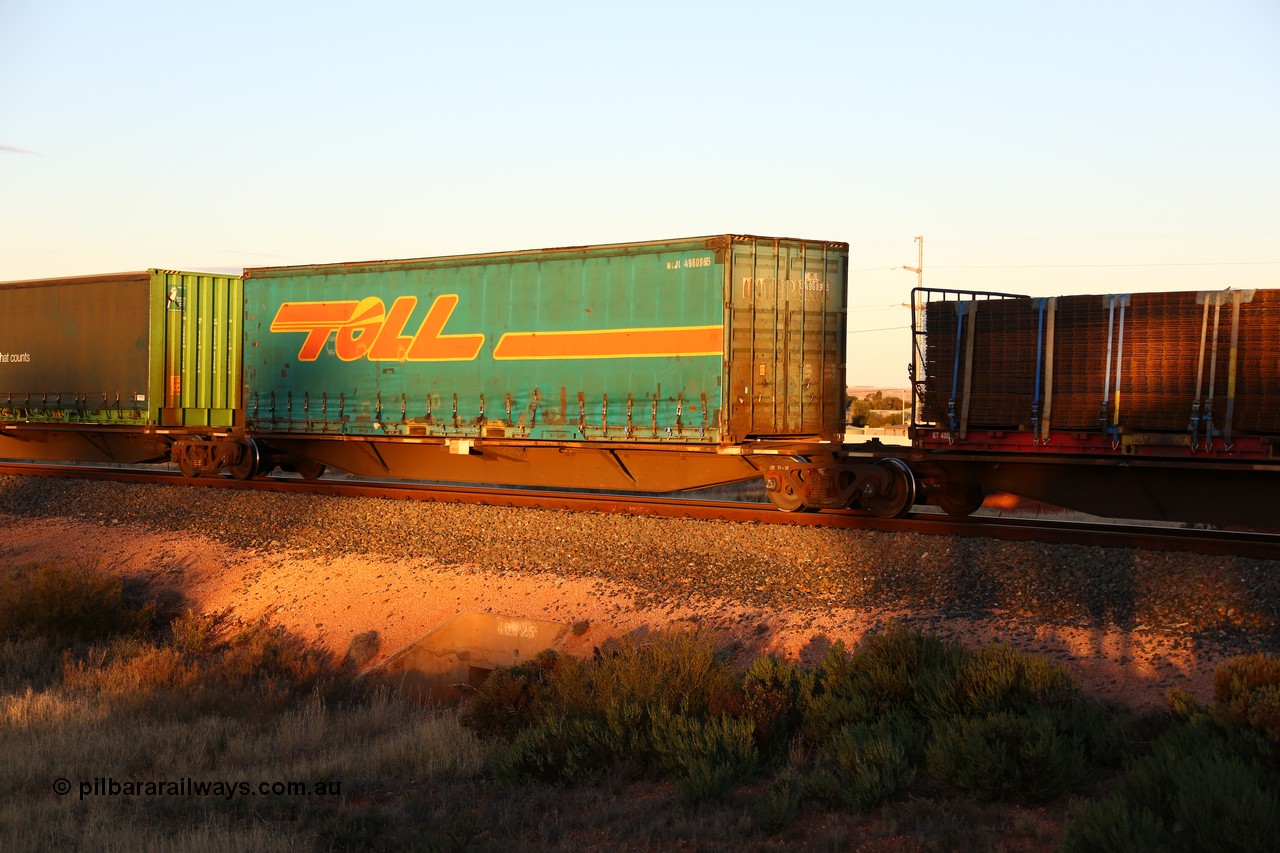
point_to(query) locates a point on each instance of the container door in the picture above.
(198, 369)
(787, 344)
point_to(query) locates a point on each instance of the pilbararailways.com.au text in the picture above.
(106, 786)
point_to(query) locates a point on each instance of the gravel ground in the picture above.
(1164, 605)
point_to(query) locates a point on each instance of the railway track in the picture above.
(1004, 527)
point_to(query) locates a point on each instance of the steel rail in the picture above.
(1106, 534)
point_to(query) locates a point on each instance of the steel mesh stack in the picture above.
(1004, 361)
(1159, 363)
(1079, 362)
(1258, 371)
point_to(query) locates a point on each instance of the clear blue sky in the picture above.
(1039, 148)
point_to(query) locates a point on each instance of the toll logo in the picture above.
(368, 329)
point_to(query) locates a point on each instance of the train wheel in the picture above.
(309, 469)
(786, 499)
(898, 498)
(248, 464)
(959, 499)
(189, 465)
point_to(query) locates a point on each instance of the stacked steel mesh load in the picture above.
(1258, 391)
(1155, 362)
(1002, 379)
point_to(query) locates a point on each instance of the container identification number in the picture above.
(689, 263)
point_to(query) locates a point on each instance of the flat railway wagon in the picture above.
(653, 366)
(117, 368)
(1145, 405)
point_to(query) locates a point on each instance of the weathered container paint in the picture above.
(702, 340)
(149, 348)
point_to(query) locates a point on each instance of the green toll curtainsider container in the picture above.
(150, 348)
(708, 340)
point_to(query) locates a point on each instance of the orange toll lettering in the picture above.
(366, 329)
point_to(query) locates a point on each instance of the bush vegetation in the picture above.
(904, 712)
(924, 735)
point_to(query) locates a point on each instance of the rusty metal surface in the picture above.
(578, 465)
(61, 442)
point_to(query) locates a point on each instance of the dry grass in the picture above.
(153, 696)
(129, 704)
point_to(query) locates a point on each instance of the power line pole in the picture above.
(914, 369)
(918, 269)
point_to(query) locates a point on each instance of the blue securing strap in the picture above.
(955, 368)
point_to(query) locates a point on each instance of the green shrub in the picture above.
(872, 763)
(511, 699)
(1202, 788)
(705, 755)
(682, 741)
(1110, 824)
(706, 780)
(1241, 675)
(881, 676)
(1008, 756)
(834, 697)
(773, 693)
(69, 605)
(1110, 737)
(889, 664)
(556, 749)
(1247, 692)
(996, 678)
(779, 804)
(678, 671)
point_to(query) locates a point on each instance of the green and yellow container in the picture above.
(150, 348)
